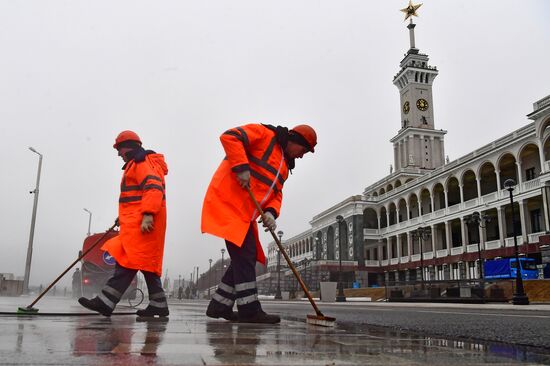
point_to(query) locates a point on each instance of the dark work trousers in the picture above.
(122, 278)
(238, 284)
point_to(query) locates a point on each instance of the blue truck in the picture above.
(506, 268)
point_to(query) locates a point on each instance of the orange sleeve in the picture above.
(238, 141)
(153, 187)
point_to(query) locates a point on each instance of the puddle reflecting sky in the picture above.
(190, 338)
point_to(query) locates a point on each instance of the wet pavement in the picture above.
(190, 338)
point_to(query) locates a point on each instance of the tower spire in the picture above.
(411, 34)
(417, 144)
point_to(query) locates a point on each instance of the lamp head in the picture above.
(509, 184)
(339, 218)
(280, 233)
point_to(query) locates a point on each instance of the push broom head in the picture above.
(321, 320)
(27, 310)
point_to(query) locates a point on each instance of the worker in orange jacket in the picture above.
(260, 157)
(142, 218)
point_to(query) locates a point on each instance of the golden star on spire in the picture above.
(410, 10)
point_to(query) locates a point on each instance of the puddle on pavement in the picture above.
(191, 338)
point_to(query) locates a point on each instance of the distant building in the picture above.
(377, 233)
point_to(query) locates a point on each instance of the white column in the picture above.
(499, 186)
(409, 244)
(448, 236)
(478, 182)
(464, 233)
(482, 235)
(523, 219)
(545, 207)
(501, 225)
(408, 211)
(520, 178)
(398, 245)
(378, 218)
(432, 153)
(433, 239)
(396, 156)
(403, 151)
(540, 145)
(461, 188)
(446, 198)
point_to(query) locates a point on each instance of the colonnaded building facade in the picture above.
(378, 229)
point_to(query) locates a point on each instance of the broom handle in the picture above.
(72, 264)
(282, 250)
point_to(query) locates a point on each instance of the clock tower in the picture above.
(418, 144)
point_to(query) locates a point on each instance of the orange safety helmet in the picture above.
(126, 136)
(308, 133)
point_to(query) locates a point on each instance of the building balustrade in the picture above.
(372, 263)
(384, 262)
(489, 197)
(394, 261)
(534, 238)
(509, 242)
(471, 203)
(427, 217)
(531, 184)
(404, 259)
(493, 244)
(428, 255)
(415, 257)
(441, 253)
(471, 248)
(457, 250)
(454, 208)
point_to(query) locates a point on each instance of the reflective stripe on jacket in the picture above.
(227, 209)
(142, 191)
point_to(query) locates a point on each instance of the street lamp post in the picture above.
(33, 222)
(519, 297)
(479, 220)
(209, 276)
(89, 220)
(278, 295)
(341, 297)
(422, 233)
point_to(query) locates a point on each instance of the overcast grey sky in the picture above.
(75, 73)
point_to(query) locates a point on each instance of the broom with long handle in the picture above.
(319, 318)
(29, 309)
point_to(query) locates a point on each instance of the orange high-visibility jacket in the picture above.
(142, 191)
(228, 211)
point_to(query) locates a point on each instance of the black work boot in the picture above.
(96, 304)
(260, 317)
(151, 311)
(216, 310)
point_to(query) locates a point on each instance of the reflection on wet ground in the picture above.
(189, 338)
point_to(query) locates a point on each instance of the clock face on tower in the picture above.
(406, 107)
(422, 104)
